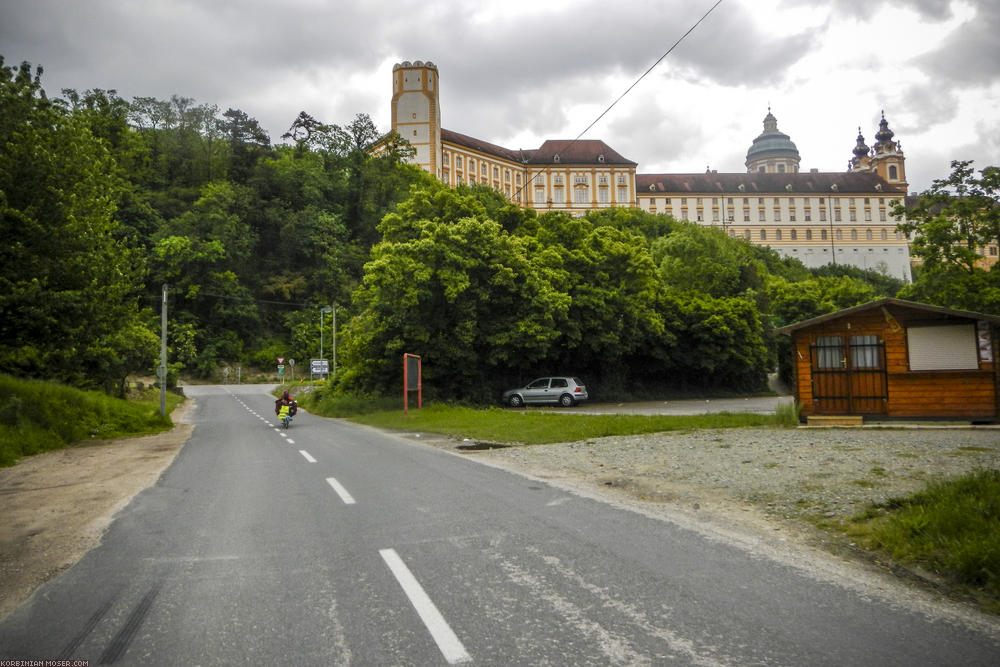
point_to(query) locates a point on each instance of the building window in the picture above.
(746, 234)
(444, 177)
(777, 214)
(822, 215)
(865, 351)
(558, 195)
(777, 234)
(794, 234)
(746, 215)
(447, 156)
(853, 216)
(854, 235)
(809, 215)
(496, 172)
(763, 235)
(840, 235)
(539, 195)
(602, 179)
(829, 352)
(881, 216)
(809, 235)
(557, 179)
(760, 215)
(580, 195)
(893, 174)
(579, 179)
(836, 215)
(603, 192)
(885, 235)
(623, 194)
(458, 161)
(822, 234)
(791, 215)
(540, 179)
(868, 234)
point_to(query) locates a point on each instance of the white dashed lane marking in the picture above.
(451, 648)
(341, 491)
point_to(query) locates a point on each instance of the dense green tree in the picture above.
(459, 291)
(950, 224)
(703, 259)
(67, 286)
(952, 221)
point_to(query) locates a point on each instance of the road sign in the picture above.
(319, 366)
(281, 360)
(281, 369)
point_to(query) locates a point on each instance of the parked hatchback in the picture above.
(564, 391)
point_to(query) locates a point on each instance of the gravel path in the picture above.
(788, 473)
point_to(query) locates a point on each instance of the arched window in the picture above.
(893, 173)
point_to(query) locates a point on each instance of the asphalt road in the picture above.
(338, 545)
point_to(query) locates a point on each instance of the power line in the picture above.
(629, 89)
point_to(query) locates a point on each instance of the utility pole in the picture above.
(163, 353)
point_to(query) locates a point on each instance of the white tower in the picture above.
(416, 112)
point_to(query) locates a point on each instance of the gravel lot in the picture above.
(787, 473)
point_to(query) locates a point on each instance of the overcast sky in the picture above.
(517, 72)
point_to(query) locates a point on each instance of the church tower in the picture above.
(887, 157)
(862, 160)
(416, 111)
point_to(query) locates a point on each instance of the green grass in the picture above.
(39, 416)
(528, 427)
(952, 529)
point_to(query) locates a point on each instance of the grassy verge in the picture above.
(526, 427)
(39, 416)
(951, 529)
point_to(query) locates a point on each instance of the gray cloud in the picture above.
(971, 54)
(866, 9)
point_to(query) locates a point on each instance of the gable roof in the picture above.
(579, 151)
(480, 145)
(829, 184)
(888, 301)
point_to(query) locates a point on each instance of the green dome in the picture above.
(772, 143)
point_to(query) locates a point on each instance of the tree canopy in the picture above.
(104, 200)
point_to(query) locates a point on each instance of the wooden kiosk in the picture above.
(895, 359)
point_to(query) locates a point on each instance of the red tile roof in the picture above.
(581, 151)
(813, 183)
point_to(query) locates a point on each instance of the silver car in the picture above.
(564, 391)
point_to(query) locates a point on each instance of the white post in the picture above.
(163, 353)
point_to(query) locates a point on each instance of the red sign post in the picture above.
(412, 380)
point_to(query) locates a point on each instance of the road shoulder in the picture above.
(57, 505)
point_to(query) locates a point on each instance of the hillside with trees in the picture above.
(104, 200)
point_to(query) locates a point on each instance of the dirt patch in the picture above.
(56, 505)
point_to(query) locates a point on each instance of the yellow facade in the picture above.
(816, 217)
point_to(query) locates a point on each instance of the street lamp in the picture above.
(334, 342)
(322, 311)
